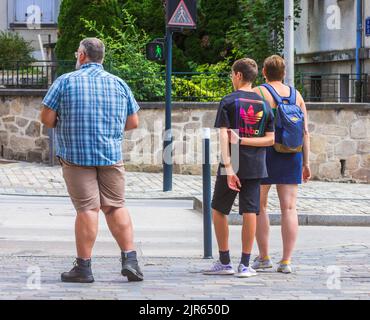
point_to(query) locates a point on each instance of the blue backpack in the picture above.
(289, 122)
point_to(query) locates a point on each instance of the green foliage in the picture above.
(208, 44)
(149, 14)
(106, 13)
(260, 31)
(210, 83)
(126, 57)
(13, 48)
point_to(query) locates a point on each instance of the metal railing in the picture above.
(334, 87)
(188, 86)
(37, 75)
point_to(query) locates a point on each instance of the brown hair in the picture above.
(248, 68)
(274, 68)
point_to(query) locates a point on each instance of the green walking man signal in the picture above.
(155, 51)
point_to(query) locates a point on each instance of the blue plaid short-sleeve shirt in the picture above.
(92, 107)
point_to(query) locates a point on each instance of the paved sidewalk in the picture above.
(336, 273)
(315, 197)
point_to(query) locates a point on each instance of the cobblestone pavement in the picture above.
(335, 273)
(315, 197)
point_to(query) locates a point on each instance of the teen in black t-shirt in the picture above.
(246, 125)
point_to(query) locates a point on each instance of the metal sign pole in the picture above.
(167, 143)
(289, 41)
(207, 215)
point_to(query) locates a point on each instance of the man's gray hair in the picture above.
(94, 49)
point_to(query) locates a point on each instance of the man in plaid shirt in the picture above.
(90, 109)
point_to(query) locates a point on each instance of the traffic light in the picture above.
(155, 51)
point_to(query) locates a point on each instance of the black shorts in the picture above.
(249, 196)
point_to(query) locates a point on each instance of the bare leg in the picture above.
(222, 230)
(86, 230)
(289, 218)
(263, 224)
(120, 225)
(248, 232)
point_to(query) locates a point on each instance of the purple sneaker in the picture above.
(220, 269)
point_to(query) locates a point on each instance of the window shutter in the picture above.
(47, 10)
(21, 10)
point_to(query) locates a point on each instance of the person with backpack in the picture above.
(287, 162)
(246, 126)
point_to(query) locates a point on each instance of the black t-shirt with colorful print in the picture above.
(244, 112)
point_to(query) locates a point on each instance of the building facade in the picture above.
(35, 20)
(325, 43)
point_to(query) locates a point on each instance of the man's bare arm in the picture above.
(49, 117)
(132, 122)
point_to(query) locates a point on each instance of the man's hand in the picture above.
(233, 136)
(306, 174)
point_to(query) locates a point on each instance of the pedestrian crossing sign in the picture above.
(181, 13)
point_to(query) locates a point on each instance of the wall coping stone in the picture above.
(196, 105)
(23, 92)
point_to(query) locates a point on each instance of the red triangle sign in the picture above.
(181, 16)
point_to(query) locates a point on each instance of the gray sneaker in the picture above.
(220, 269)
(245, 272)
(261, 264)
(284, 268)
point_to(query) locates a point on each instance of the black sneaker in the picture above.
(130, 267)
(81, 272)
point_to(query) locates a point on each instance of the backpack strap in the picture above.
(262, 94)
(278, 99)
(293, 96)
(263, 120)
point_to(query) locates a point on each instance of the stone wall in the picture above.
(340, 137)
(22, 136)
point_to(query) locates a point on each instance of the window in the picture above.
(344, 88)
(21, 11)
(316, 88)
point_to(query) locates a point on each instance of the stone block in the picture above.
(346, 117)
(365, 161)
(318, 144)
(16, 107)
(4, 109)
(21, 122)
(181, 117)
(8, 119)
(42, 143)
(4, 138)
(334, 130)
(311, 127)
(11, 128)
(20, 156)
(364, 147)
(8, 153)
(208, 119)
(34, 156)
(325, 117)
(33, 129)
(363, 175)
(346, 148)
(358, 129)
(330, 170)
(353, 162)
(21, 144)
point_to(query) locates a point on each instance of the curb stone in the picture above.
(305, 219)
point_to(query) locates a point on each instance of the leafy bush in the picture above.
(260, 31)
(14, 49)
(209, 83)
(126, 57)
(106, 13)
